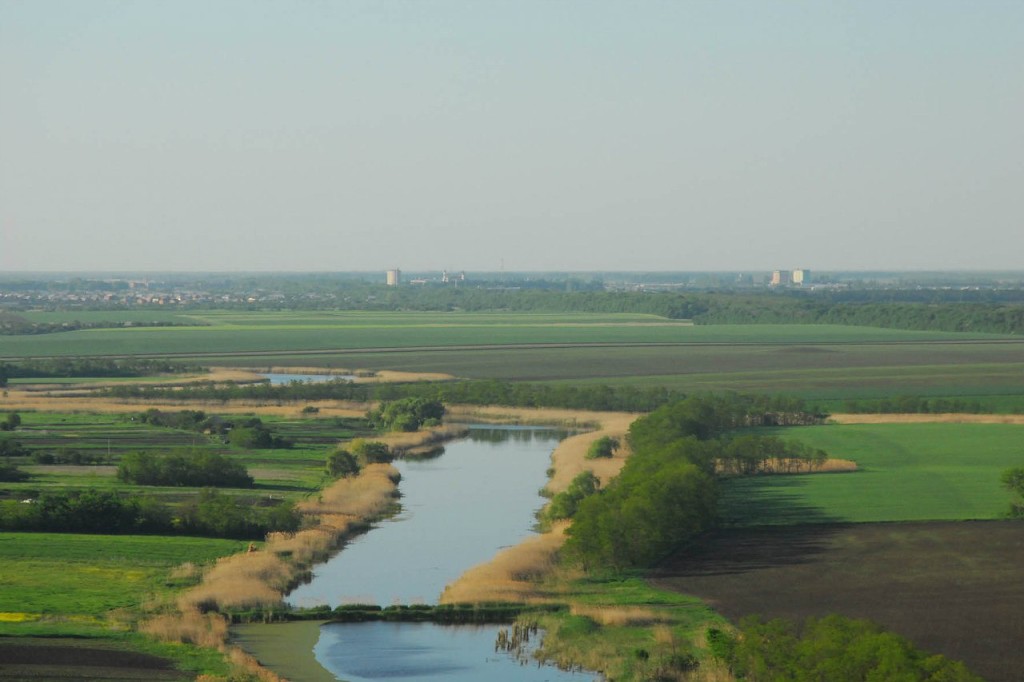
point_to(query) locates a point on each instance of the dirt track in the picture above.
(953, 588)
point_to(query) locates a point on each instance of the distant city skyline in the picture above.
(511, 135)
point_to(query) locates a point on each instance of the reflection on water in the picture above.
(457, 511)
(360, 652)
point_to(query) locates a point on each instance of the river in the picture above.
(458, 510)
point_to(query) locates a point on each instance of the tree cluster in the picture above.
(75, 368)
(183, 468)
(911, 404)
(250, 432)
(209, 514)
(1013, 480)
(667, 492)
(602, 448)
(831, 648)
(406, 414)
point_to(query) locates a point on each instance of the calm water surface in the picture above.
(361, 652)
(458, 510)
(278, 378)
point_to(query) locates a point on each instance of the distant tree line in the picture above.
(75, 368)
(911, 404)
(667, 492)
(469, 392)
(12, 325)
(192, 468)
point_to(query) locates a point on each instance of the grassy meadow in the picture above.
(907, 472)
(49, 579)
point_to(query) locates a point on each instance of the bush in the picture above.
(9, 473)
(835, 649)
(341, 463)
(407, 414)
(603, 447)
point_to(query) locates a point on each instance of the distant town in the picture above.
(203, 290)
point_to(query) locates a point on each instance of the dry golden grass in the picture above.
(253, 579)
(569, 458)
(512, 575)
(244, 661)
(786, 466)
(18, 399)
(190, 626)
(186, 571)
(624, 616)
(928, 418)
(411, 443)
(366, 495)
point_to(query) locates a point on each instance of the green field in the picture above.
(271, 332)
(908, 472)
(825, 363)
(289, 472)
(88, 575)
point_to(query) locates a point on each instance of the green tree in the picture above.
(1013, 480)
(341, 463)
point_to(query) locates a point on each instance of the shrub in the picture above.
(603, 447)
(341, 463)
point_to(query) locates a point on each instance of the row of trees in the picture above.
(667, 492)
(770, 410)
(183, 468)
(74, 368)
(912, 404)
(209, 513)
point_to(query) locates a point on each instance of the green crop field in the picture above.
(265, 333)
(819, 362)
(908, 472)
(103, 438)
(89, 575)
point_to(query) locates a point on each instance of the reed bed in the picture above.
(782, 467)
(367, 495)
(514, 574)
(424, 440)
(188, 626)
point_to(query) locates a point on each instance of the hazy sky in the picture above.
(554, 135)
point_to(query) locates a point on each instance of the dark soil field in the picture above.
(955, 588)
(63, 659)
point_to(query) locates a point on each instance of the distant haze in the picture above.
(519, 134)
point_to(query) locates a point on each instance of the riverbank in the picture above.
(515, 574)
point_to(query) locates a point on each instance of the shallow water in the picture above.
(279, 378)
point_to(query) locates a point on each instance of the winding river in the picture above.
(458, 510)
